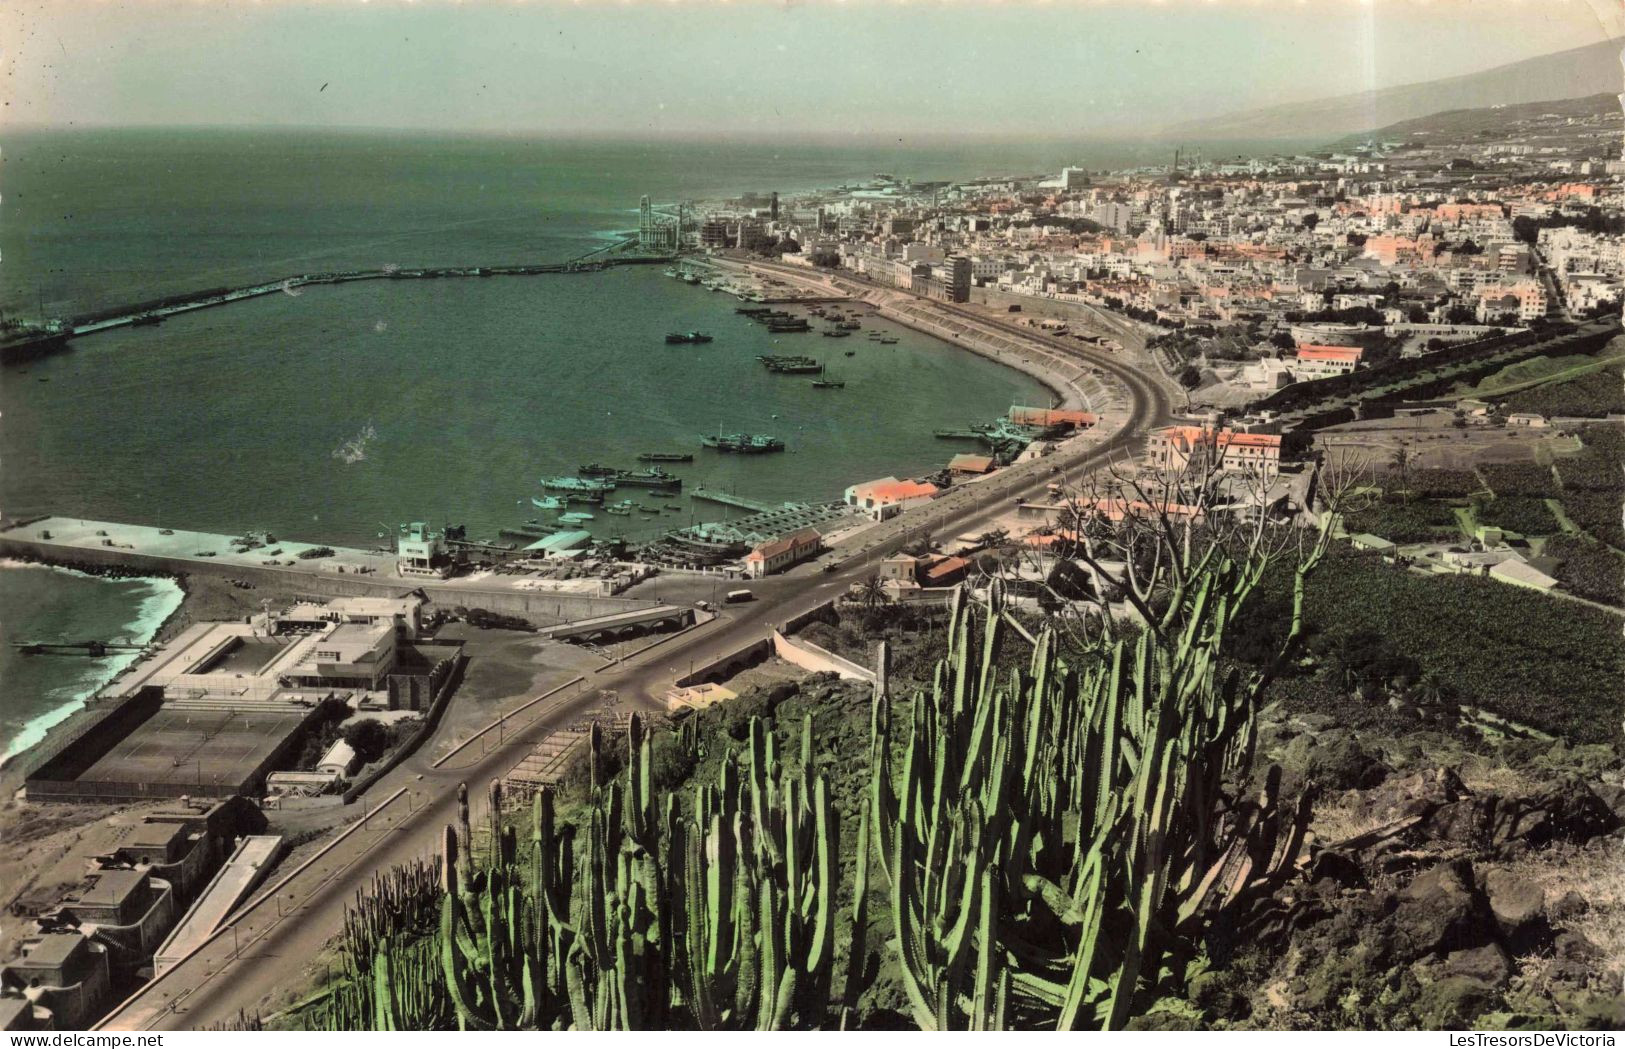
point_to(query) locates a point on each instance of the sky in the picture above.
(1061, 68)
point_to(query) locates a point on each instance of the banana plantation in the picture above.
(1037, 837)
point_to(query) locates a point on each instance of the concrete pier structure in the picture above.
(348, 572)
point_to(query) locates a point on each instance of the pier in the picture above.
(739, 501)
(155, 311)
(94, 649)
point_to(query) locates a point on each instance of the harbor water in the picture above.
(39, 603)
(335, 413)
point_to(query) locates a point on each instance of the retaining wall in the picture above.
(809, 656)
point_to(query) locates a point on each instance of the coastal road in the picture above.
(267, 946)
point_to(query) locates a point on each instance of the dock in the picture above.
(728, 499)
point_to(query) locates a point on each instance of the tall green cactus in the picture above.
(1052, 841)
(1057, 835)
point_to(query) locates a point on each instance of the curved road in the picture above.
(266, 947)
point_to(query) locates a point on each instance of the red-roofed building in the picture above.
(1047, 417)
(889, 497)
(1317, 361)
(776, 555)
(970, 463)
(1255, 454)
(946, 571)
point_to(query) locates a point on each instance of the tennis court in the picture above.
(214, 750)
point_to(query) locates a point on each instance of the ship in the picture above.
(578, 489)
(836, 334)
(654, 477)
(828, 384)
(547, 502)
(792, 365)
(788, 326)
(665, 457)
(742, 443)
(851, 353)
(575, 517)
(683, 337)
(20, 342)
(596, 470)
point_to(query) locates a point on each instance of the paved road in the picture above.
(267, 947)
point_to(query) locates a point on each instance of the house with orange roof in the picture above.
(1251, 454)
(1317, 361)
(776, 555)
(969, 463)
(889, 497)
(1051, 417)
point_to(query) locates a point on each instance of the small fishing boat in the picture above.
(575, 517)
(547, 502)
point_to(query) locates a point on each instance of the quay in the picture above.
(729, 499)
(345, 572)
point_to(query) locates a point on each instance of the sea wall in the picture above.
(542, 607)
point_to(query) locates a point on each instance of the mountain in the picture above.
(1579, 71)
(1460, 125)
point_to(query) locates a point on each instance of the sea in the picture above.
(333, 414)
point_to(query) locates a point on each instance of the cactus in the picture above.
(1054, 837)
(1053, 841)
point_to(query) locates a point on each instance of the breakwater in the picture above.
(155, 311)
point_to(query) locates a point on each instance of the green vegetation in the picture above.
(1600, 465)
(1433, 484)
(1589, 569)
(1598, 513)
(1596, 392)
(368, 738)
(1042, 841)
(1523, 514)
(1405, 522)
(1531, 658)
(1509, 479)
(1594, 484)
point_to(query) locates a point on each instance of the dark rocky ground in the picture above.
(1455, 883)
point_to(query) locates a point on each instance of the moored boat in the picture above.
(742, 443)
